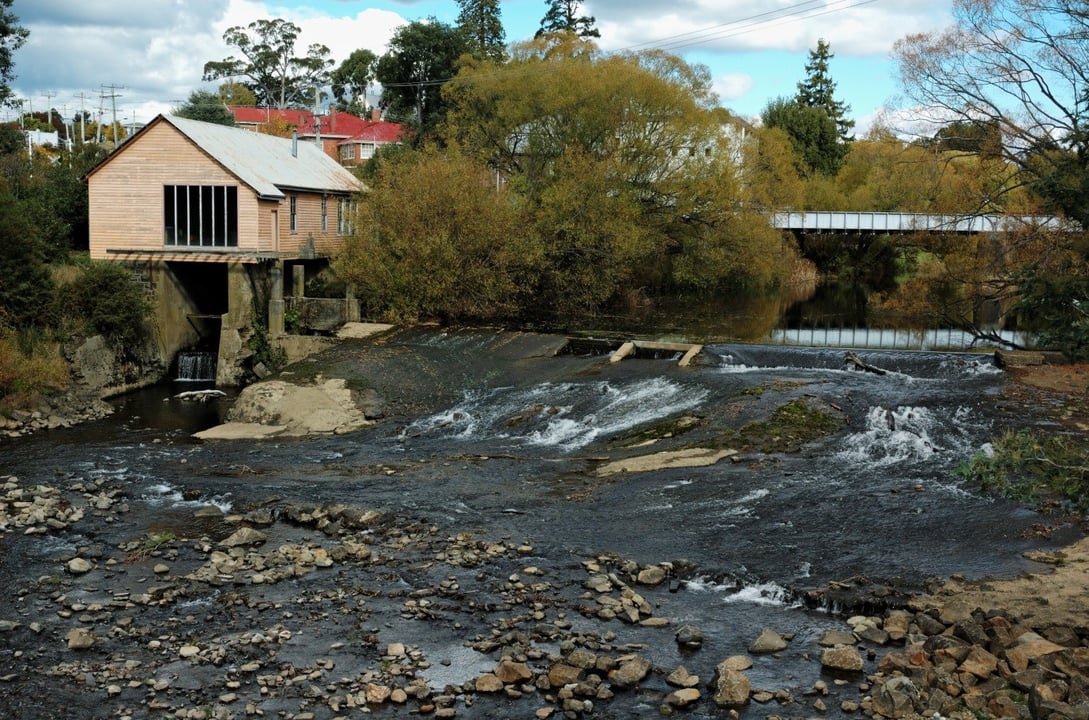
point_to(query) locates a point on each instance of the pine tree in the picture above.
(818, 90)
(562, 17)
(483, 27)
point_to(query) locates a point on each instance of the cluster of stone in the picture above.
(983, 664)
(41, 509)
(556, 649)
(61, 411)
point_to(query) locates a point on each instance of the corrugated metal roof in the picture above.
(265, 162)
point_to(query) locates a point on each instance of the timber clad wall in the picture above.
(309, 223)
(125, 197)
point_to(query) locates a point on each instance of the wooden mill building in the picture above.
(212, 216)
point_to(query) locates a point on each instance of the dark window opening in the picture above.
(202, 216)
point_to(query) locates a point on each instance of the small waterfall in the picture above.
(564, 415)
(898, 435)
(196, 366)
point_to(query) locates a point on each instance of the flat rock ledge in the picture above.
(688, 457)
(275, 408)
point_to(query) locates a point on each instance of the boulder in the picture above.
(511, 672)
(682, 678)
(377, 694)
(837, 637)
(581, 658)
(844, 658)
(244, 536)
(1029, 647)
(79, 638)
(682, 697)
(689, 637)
(630, 671)
(768, 641)
(979, 662)
(562, 674)
(652, 575)
(895, 698)
(79, 566)
(732, 687)
(325, 407)
(488, 683)
(736, 662)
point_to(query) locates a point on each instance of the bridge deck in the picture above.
(866, 222)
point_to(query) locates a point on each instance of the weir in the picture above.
(618, 350)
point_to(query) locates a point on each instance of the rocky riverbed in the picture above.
(278, 611)
(120, 607)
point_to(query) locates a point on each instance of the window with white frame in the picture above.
(294, 214)
(324, 213)
(345, 208)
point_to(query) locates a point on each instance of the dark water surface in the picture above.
(491, 434)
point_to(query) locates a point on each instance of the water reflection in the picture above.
(803, 314)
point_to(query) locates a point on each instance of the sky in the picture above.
(147, 56)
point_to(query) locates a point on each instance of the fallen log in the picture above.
(200, 395)
(861, 364)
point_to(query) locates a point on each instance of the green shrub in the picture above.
(264, 352)
(1057, 306)
(26, 286)
(109, 302)
(1029, 467)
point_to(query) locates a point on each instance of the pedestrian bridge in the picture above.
(906, 223)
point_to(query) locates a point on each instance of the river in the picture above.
(491, 434)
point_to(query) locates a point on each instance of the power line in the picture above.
(740, 26)
(802, 14)
(804, 10)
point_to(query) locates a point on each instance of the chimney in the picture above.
(376, 115)
(294, 143)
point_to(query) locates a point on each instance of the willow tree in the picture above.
(1020, 67)
(435, 238)
(623, 162)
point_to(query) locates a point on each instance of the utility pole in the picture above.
(317, 116)
(82, 118)
(112, 95)
(49, 95)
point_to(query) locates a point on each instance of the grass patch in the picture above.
(1031, 467)
(29, 369)
(792, 425)
(666, 428)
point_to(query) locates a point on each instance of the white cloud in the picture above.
(852, 28)
(154, 50)
(732, 86)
